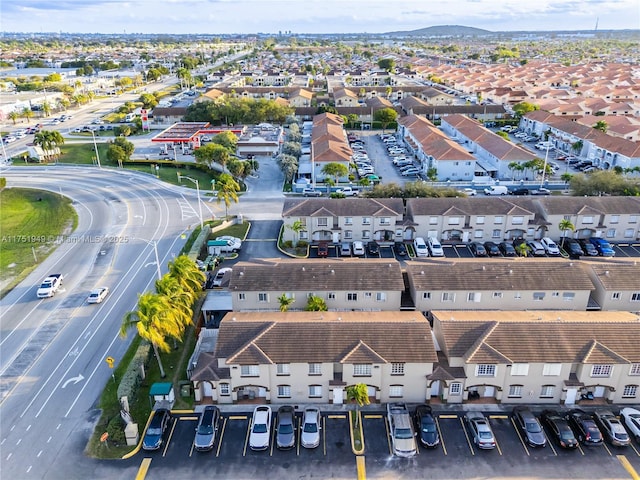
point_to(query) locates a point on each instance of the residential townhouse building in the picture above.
(343, 283)
(328, 145)
(551, 357)
(338, 220)
(499, 284)
(494, 155)
(436, 151)
(298, 357)
(616, 285)
(300, 97)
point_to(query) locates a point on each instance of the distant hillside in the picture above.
(444, 31)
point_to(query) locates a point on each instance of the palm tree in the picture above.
(48, 140)
(316, 304)
(170, 287)
(13, 116)
(227, 190)
(285, 301)
(154, 320)
(358, 393)
(577, 146)
(565, 226)
(297, 227)
(27, 114)
(187, 273)
(46, 109)
(522, 249)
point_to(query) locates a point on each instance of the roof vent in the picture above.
(241, 273)
(484, 268)
(571, 264)
(606, 272)
(421, 272)
(333, 271)
(303, 269)
(339, 319)
(233, 319)
(510, 271)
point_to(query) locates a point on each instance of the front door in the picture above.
(435, 388)
(338, 396)
(489, 391)
(571, 396)
(599, 392)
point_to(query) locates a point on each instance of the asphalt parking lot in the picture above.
(455, 457)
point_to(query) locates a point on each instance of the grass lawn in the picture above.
(31, 221)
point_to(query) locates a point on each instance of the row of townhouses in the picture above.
(462, 219)
(549, 357)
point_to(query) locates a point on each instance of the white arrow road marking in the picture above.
(75, 380)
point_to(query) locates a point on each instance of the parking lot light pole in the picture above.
(180, 177)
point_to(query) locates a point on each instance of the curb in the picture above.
(355, 450)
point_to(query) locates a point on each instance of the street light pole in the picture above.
(154, 244)
(95, 146)
(544, 168)
(180, 177)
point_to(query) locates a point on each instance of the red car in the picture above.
(323, 249)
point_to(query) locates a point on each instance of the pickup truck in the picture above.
(50, 285)
(348, 191)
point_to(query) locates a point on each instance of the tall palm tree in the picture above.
(171, 288)
(297, 227)
(154, 320)
(227, 190)
(27, 114)
(187, 273)
(13, 116)
(358, 393)
(565, 226)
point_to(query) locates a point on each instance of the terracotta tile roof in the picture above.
(498, 274)
(345, 207)
(540, 336)
(617, 276)
(466, 206)
(340, 274)
(331, 337)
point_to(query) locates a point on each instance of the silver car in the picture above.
(481, 431)
(310, 436)
(285, 427)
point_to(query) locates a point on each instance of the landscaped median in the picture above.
(356, 433)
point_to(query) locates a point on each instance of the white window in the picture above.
(615, 219)
(485, 370)
(331, 296)
(635, 297)
(385, 221)
(315, 369)
(611, 233)
(282, 369)
(515, 391)
(517, 220)
(433, 220)
(633, 218)
(547, 391)
(241, 297)
(395, 391)
(555, 294)
(366, 234)
(498, 220)
(263, 297)
(480, 220)
(629, 391)
(496, 234)
(629, 232)
(284, 391)
(398, 232)
(322, 221)
(601, 370)
(304, 235)
(455, 389)
(366, 220)
(568, 296)
(517, 295)
(474, 296)
(315, 391)
(478, 234)
(615, 296)
(497, 294)
(551, 369)
(362, 370)
(454, 220)
(538, 296)
(448, 297)
(352, 297)
(348, 234)
(368, 295)
(225, 389)
(520, 369)
(397, 369)
(426, 295)
(348, 220)
(381, 297)
(587, 220)
(249, 370)
(635, 369)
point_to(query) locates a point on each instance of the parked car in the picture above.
(529, 426)
(285, 427)
(222, 277)
(612, 429)
(481, 432)
(234, 244)
(573, 248)
(401, 430)
(536, 248)
(477, 249)
(97, 295)
(519, 191)
(310, 435)
(469, 192)
(410, 172)
(207, 428)
(420, 247)
(426, 426)
(400, 249)
(373, 248)
(311, 192)
(550, 246)
(559, 428)
(260, 428)
(588, 248)
(358, 248)
(496, 190)
(602, 246)
(507, 249)
(584, 427)
(323, 249)
(492, 249)
(540, 191)
(631, 418)
(153, 436)
(435, 248)
(345, 249)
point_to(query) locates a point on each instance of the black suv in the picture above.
(519, 191)
(373, 248)
(572, 247)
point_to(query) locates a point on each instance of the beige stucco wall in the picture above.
(340, 302)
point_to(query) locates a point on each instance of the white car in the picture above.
(310, 435)
(550, 246)
(420, 246)
(260, 428)
(358, 248)
(435, 248)
(469, 192)
(222, 277)
(50, 286)
(631, 419)
(410, 172)
(98, 295)
(235, 244)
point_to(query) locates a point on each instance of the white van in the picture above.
(496, 190)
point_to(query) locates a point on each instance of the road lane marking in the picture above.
(337, 416)
(372, 416)
(464, 429)
(386, 427)
(549, 442)
(143, 469)
(627, 466)
(237, 417)
(224, 424)
(634, 449)
(447, 416)
(360, 465)
(520, 437)
(246, 439)
(499, 417)
(166, 446)
(187, 418)
(607, 449)
(444, 448)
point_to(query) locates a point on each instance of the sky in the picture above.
(311, 16)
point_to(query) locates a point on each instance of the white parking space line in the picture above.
(444, 448)
(464, 429)
(520, 437)
(224, 424)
